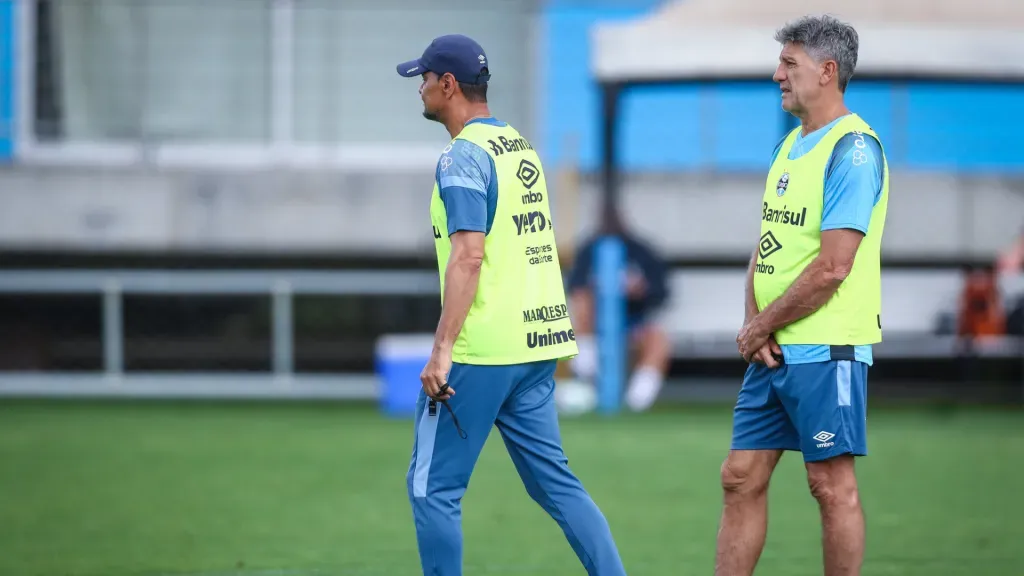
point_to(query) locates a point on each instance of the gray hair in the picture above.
(825, 38)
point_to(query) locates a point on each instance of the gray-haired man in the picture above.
(807, 341)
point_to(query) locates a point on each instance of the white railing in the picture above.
(691, 339)
(282, 382)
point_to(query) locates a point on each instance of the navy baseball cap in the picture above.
(456, 54)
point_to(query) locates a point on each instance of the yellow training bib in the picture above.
(791, 216)
(519, 314)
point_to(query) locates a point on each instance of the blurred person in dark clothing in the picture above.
(646, 290)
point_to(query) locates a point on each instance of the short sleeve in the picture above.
(464, 175)
(853, 183)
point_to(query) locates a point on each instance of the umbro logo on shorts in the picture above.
(824, 439)
(823, 436)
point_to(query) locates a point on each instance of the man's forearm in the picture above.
(751, 302)
(811, 290)
(461, 279)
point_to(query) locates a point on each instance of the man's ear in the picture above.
(829, 70)
(448, 84)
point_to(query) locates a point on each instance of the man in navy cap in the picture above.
(504, 322)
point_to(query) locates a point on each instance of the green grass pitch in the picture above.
(131, 489)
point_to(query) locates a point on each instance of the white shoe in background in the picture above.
(644, 387)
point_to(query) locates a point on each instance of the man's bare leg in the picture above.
(834, 485)
(744, 524)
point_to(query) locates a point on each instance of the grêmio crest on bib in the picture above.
(780, 188)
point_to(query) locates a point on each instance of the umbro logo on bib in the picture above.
(527, 173)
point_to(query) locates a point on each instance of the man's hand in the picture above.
(752, 338)
(766, 355)
(435, 374)
(636, 285)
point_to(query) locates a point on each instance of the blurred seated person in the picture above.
(646, 288)
(981, 307)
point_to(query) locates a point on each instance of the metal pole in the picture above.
(612, 93)
(609, 264)
(282, 329)
(113, 330)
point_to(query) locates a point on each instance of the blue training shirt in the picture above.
(468, 184)
(853, 185)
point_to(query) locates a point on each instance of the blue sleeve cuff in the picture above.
(844, 226)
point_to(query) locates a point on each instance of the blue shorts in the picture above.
(818, 408)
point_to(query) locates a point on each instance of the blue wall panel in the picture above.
(966, 127)
(659, 128)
